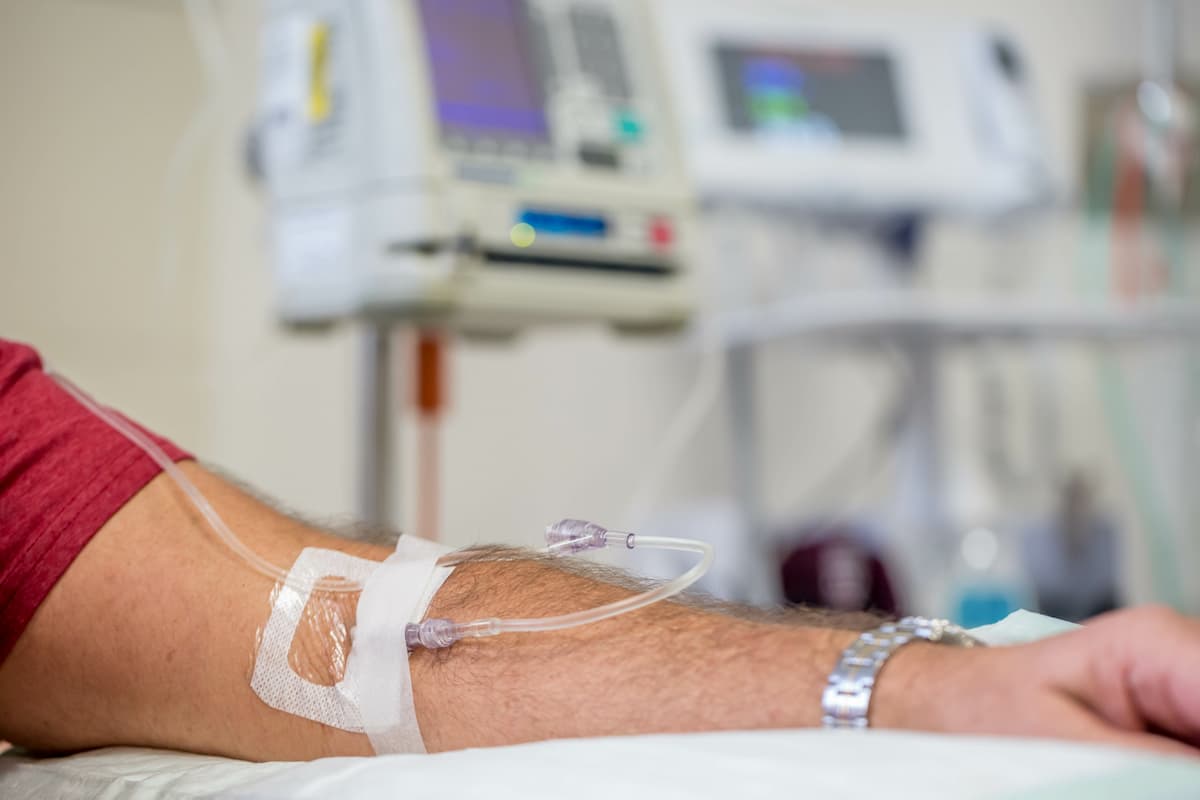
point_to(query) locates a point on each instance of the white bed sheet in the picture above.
(722, 766)
(751, 764)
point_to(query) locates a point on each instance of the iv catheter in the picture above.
(566, 537)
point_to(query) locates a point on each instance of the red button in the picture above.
(662, 232)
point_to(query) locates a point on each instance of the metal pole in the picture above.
(1160, 42)
(762, 585)
(376, 471)
(925, 544)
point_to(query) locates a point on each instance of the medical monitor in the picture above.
(787, 105)
(482, 163)
(817, 95)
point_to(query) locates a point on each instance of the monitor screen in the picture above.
(821, 95)
(485, 82)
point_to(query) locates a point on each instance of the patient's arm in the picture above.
(149, 640)
(149, 637)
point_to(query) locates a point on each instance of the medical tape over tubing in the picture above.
(375, 695)
(378, 665)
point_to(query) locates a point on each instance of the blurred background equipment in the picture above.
(482, 163)
(838, 569)
(844, 111)
(1143, 159)
(880, 128)
(875, 127)
(1072, 558)
(903, 270)
(987, 578)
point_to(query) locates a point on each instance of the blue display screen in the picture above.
(485, 83)
(557, 223)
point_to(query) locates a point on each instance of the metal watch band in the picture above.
(847, 696)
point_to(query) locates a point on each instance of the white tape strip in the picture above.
(274, 680)
(396, 594)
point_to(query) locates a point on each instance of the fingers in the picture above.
(1138, 669)
(1163, 674)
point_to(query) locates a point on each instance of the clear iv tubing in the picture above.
(566, 537)
(197, 498)
(563, 538)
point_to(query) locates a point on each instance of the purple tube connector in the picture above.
(574, 536)
(432, 634)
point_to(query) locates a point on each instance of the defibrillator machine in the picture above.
(482, 163)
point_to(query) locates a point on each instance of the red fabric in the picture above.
(63, 474)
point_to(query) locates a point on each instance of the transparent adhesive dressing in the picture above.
(567, 537)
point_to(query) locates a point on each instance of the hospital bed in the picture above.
(749, 764)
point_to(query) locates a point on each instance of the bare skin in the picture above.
(149, 640)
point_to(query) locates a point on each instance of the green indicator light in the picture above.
(522, 235)
(629, 126)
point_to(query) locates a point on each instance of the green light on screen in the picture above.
(522, 235)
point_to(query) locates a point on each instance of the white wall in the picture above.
(556, 425)
(94, 94)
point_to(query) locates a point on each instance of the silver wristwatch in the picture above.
(847, 696)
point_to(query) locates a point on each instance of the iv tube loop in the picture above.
(438, 633)
(624, 606)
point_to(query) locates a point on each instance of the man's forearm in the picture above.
(669, 667)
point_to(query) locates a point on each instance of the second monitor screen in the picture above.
(820, 95)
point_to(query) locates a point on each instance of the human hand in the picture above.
(1129, 678)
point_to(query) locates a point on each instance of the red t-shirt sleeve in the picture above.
(63, 474)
